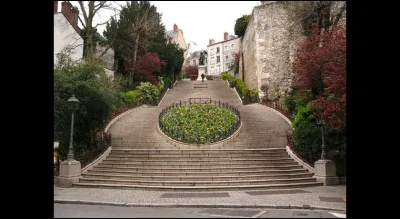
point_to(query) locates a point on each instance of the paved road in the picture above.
(103, 211)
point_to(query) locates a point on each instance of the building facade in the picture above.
(176, 36)
(221, 55)
(66, 32)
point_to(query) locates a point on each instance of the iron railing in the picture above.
(178, 134)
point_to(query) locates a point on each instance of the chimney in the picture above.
(55, 6)
(71, 14)
(225, 36)
(76, 17)
(176, 28)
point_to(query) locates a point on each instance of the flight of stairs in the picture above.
(197, 170)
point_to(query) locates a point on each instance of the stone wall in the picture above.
(248, 56)
(269, 46)
(268, 49)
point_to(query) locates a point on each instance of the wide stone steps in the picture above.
(198, 188)
(208, 152)
(196, 178)
(127, 160)
(195, 183)
(219, 157)
(185, 168)
(194, 173)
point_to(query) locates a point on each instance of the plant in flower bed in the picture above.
(199, 123)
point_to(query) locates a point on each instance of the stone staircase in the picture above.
(210, 169)
(254, 159)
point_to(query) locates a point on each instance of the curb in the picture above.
(176, 205)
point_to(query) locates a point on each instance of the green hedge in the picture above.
(242, 89)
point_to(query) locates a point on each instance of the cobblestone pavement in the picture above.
(282, 199)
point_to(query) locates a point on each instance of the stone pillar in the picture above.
(325, 172)
(70, 172)
(202, 70)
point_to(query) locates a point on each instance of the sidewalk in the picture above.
(321, 197)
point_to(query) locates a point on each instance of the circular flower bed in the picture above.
(200, 124)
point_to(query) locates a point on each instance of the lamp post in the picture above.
(325, 169)
(73, 105)
(323, 153)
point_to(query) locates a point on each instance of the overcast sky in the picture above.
(199, 20)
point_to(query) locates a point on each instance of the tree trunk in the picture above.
(134, 59)
(89, 41)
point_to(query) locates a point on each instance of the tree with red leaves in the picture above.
(146, 66)
(191, 71)
(320, 66)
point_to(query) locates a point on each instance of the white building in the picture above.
(66, 31)
(221, 55)
(176, 36)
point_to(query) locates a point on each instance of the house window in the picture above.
(218, 59)
(232, 46)
(226, 47)
(226, 57)
(194, 62)
(217, 50)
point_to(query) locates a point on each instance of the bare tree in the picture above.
(89, 12)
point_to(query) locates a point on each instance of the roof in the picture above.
(223, 41)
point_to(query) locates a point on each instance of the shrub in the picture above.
(307, 142)
(209, 77)
(224, 75)
(290, 104)
(132, 97)
(253, 95)
(180, 75)
(296, 100)
(242, 87)
(161, 84)
(148, 93)
(303, 113)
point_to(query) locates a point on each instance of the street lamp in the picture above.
(323, 153)
(73, 105)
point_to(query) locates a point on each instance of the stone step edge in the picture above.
(175, 205)
(199, 177)
(230, 149)
(200, 160)
(190, 181)
(155, 172)
(199, 187)
(195, 168)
